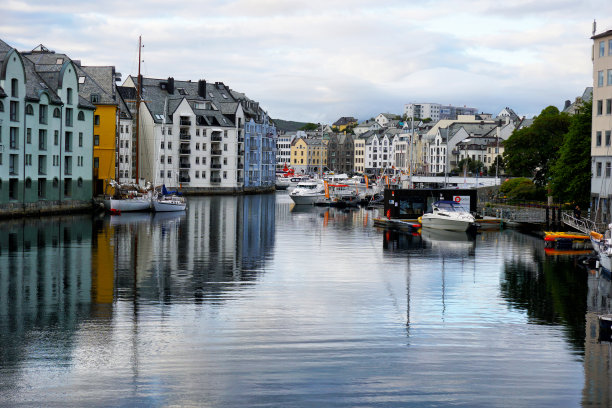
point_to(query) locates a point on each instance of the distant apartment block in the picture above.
(601, 143)
(436, 111)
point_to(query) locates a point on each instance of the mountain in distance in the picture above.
(288, 125)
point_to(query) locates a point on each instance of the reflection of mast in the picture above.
(443, 288)
(408, 294)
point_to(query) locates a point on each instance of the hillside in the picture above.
(288, 125)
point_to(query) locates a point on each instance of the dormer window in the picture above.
(59, 61)
(81, 79)
(95, 98)
(181, 91)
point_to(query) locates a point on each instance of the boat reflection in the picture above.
(449, 243)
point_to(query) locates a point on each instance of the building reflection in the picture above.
(597, 361)
(220, 244)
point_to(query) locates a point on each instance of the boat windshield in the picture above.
(307, 186)
(450, 206)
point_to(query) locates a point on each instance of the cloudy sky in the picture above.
(318, 60)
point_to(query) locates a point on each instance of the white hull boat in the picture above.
(127, 204)
(166, 204)
(449, 216)
(602, 244)
(308, 192)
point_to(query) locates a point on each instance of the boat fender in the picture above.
(389, 214)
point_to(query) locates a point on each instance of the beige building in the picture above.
(359, 155)
(601, 137)
(308, 156)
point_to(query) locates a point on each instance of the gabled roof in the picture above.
(345, 120)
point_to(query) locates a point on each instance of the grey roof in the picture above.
(36, 83)
(344, 120)
(99, 81)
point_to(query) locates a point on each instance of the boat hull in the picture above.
(445, 224)
(168, 206)
(127, 205)
(306, 199)
(603, 252)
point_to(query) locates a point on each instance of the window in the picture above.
(197, 174)
(68, 116)
(96, 140)
(598, 138)
(42, 114)
(81, 79)
(42, 164)
(602, 48)
(13, 163)
(600, 78)
(81, 116)
(42, 188)
(80, 139)
(14, 111)
(29, 135)
(56, 113)
(607, 138)
(42, 139)
(599, 107)
(97, 120)
(28, 159)
(14, 88)
(609, 77)
(29, 109)
(161, 159)
(1, 106)
(169, 174)
(197, 146)
(609, 47)
(225, 174)
(608, 168)
(68, 141)
(169, 159)
(169, 145)
(14, 138)
(69, 96)
(225, 147)
(203, 174)
(95, 98)
(225, 134)
(161, 174)
(608, 106)
(28, 182)
(96, 162)
(56, 137)
(162, 146)
(197, 160)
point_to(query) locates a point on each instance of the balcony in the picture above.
(216, 137)
(215, 180)
(240, 166)
(215, 166)
(185, 122)
(216, 152)
(184, 179)
(185, 136)
(184, 151)
(184, 165)
(240, 152)
(241, 139)
(253, 147)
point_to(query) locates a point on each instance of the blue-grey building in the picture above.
(46, 136)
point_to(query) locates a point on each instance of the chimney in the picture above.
(567, 104)
(170, 86)
(202, 88)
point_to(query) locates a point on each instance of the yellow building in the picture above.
(344, 123)
(308, 155)
(97, 84)
(359, 158)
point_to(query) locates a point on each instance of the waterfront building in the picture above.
(283, 149)
(601, 144)
(340, 153)
(203, 137)
(378, 152)
(96, 85)
(126, 146)
(46, 135)
(309, 155)
(359, 155)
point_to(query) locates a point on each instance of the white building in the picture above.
(423, 111)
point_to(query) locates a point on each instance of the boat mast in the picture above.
(411, 143)
(138, 93)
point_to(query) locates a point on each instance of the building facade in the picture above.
(601, 143)
(46, 135)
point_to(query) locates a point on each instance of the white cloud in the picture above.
(318, 60)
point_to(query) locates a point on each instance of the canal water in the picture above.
(250, 301)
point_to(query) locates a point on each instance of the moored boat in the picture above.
(448, 215)
(165, 201)
(308, 192)
(127, 198)
(602, 244)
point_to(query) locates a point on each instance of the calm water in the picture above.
(247, 301)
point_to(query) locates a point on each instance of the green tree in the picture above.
(309, 126)
(473, 166)
(571, 174)
(531, 151)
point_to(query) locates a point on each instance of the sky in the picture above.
(318, 60)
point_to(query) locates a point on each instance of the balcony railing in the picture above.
(184, 151)
(216, 138)
(240, 165)
(215, 166)
(184, 165)
(215, 180)
(216, 152)
(184, 179)
(185, 136)
(185, 122)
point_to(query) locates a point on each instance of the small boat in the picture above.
(308, 192)
(282, 183)
(448, 215)
(566, 240)
(165, 201)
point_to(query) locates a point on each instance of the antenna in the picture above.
(594, 26)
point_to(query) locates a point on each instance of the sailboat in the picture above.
(130, 196)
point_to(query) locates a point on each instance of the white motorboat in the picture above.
(602, 244)
(448, 215)
(166, 201)
(308, 192)
(282, 183)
